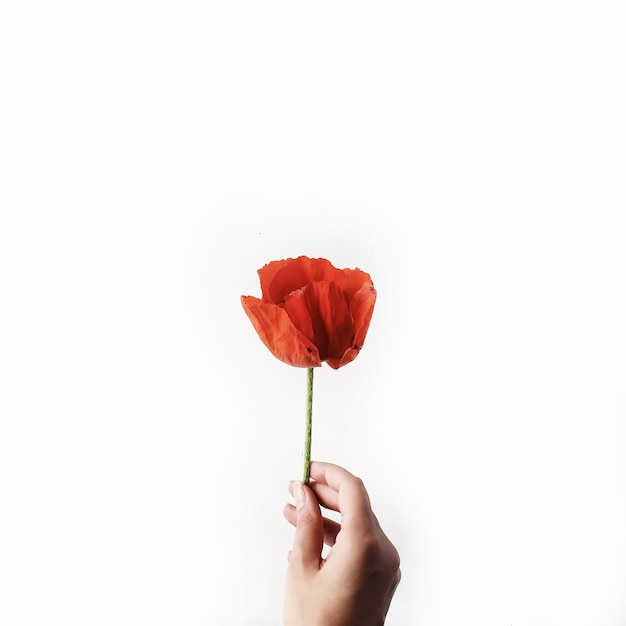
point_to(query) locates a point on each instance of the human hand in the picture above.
(354, 584)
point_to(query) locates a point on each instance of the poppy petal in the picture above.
(281, 337)
(296, 274)
(352, 281)
(266, 276)
(362, 308)
(348, 356)
(321, 312)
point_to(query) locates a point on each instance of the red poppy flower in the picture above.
(310, 312)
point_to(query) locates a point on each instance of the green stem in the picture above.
(309, 426)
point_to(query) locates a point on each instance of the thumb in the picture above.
(309, 538)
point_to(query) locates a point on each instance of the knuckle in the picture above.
(380, 555)
(393, 557)
(357, 483)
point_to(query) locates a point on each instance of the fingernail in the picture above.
(298, 494)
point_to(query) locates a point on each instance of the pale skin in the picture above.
(354, 584)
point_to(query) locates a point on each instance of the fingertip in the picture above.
(289, 513)
(307, 519)
(298, 494)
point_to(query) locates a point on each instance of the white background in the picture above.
(469, 155)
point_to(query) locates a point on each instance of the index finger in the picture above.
(347, 494)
